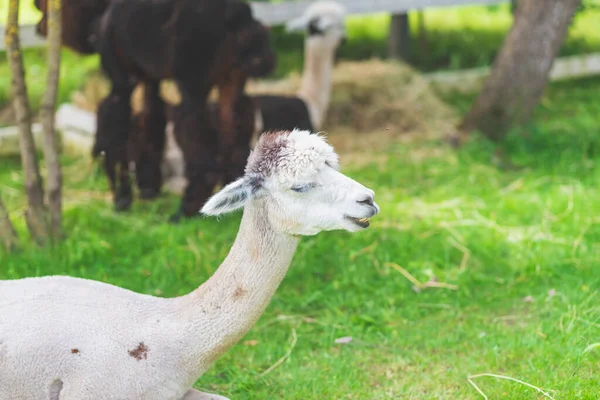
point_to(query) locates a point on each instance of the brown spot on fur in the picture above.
(75, 351)
(239, 292)
(140, 352)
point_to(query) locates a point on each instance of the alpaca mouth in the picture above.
(362, 222)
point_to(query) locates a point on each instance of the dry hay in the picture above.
(373, 95)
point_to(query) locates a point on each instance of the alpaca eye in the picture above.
(303, 188)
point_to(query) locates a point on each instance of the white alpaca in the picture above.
(64, 338)
(323, 22)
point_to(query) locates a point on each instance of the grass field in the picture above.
(456, 38)
(519, 240)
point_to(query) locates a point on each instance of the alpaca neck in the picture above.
(227, 305)
(315, 88)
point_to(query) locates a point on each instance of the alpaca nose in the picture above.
(368, 201)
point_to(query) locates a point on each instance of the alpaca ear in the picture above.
(232, 197)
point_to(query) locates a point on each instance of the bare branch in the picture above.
(51, 148)
(33, 182)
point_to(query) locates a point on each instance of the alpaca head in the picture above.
(295, 174)
(323, 22)
(251, 41)
(81, 14)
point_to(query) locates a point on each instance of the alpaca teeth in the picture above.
(364, 220)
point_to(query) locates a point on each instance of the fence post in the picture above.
(399, 37)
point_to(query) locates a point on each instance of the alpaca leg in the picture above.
(114, 113)
(194, 394)
(113, 117)
(117, 170)
(198, 140)
(113, 123)
(151, 125)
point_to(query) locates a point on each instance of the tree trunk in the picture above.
(8, 235)
(51, 151)
(521, 70)
(35, 214)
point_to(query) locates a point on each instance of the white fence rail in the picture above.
(28, 37)
(563, 68)
(279, 13)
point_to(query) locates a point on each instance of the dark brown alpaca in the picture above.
(244, 53)
(144, 41)
(162, 43)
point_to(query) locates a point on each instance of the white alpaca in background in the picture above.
(323, 23)
(64, 338)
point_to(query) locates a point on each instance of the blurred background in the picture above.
(440, 39)
(479, 277)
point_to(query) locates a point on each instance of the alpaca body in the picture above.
(82, 321)
(66, 338)
(305, 111)
(323, 22)
(146, 347)
(281, 112)
(145, 41)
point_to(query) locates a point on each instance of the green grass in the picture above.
(459, 37)
(456, 38)
(531, 232)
